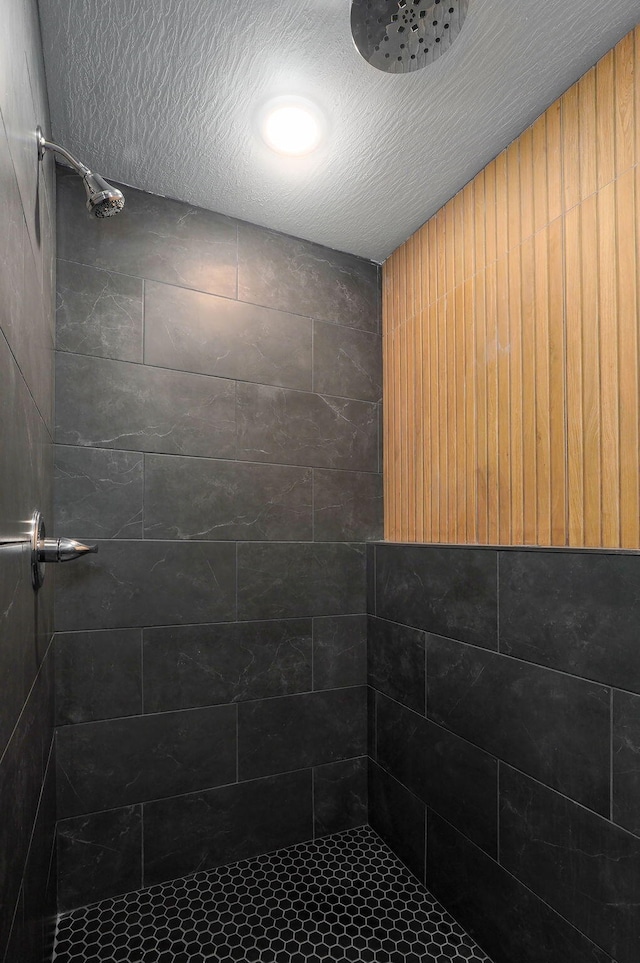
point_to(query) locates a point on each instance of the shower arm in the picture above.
(45, 145)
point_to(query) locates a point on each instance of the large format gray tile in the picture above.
(454, 778)
(347, 506)
(208, 829)
(449, 591)
(580, 864)
(116, 404)
(195, 665)
(573, 611)
(98, 675)
(626, 761)
(206, 499)
(339, 651)
(399, 817)
(300, 428)
(290, 580)
(552, 726)
(298, 731)
(153, 238)
(103, 765)
(199, 332)
(99, 855)
(396, 662)
(293, 275)
(98, 312)
(340, 796)
(505, 917)
(98, 493)
(147, 583)
(346, 362)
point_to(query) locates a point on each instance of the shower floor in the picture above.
(345, 897)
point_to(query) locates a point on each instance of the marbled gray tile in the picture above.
(116, 404)
(99, 855)
(347, 506)
(346, 362)
(98, 493)
(217, 336)
(194, 665)
(300, 428)
(211, 499)
(449, 591)
(154, 238)
(371, 579)
(340, 796)
(208, 829)
(98, 312)
(25, 483)
(293, 275)
(98, 675)
(396, 662)
(552, 726)
(103, 765)
(290, 580)
(399, 817)
(505, 917)
(626, 761)
(579, 863)
(339, 651)
(454, 778)
(297, 731)
(147, 583)
(573, 611)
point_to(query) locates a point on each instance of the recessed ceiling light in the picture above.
(291, 125)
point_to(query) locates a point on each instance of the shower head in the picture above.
(400, 36)
(103, 200)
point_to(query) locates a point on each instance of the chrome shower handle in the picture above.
(63, 549)
(45, 550)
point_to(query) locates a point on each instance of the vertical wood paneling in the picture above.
(510, 337)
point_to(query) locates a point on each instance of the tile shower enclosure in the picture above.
(217, 429)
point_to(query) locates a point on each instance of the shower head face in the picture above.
(399, 36)
(103, 200)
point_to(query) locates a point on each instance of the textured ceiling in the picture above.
(162, 95)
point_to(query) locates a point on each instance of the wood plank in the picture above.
(493, 493)
(557, 423)
(591, 374)
(490, 212)
(627, 312)
(624, 86)
(469, 440)
(570, 105)
(482, 434)
(605, 115)
(526, 183)
(528, 307)
(514, 225)
(609, 366)
(479, 218)
(504, 401)
(540, 191)
(554, 161)
(543, 394)
(575, 388)
(502, 205)
(588, 156)
(516, 387)
(461, 506)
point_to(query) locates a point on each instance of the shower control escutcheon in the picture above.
(45, 550)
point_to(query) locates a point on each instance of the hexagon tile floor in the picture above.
(345, 897)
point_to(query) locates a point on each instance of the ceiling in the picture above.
(162, 95)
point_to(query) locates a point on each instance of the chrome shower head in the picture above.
(400, 36)
(103, 200)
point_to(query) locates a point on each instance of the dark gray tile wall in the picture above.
(505, 716)
(218, 389)
(27, 259)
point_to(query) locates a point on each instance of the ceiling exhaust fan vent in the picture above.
(399, 36)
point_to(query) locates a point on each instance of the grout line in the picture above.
(232, 461)
(611, 711)
(220, 377)
(224, 297)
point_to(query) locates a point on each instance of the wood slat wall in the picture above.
(511, 337)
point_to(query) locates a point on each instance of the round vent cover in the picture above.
(403, 35)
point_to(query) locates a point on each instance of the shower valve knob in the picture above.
(45, 549)
(63, 549)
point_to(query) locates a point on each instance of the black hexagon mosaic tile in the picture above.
(345, 897)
